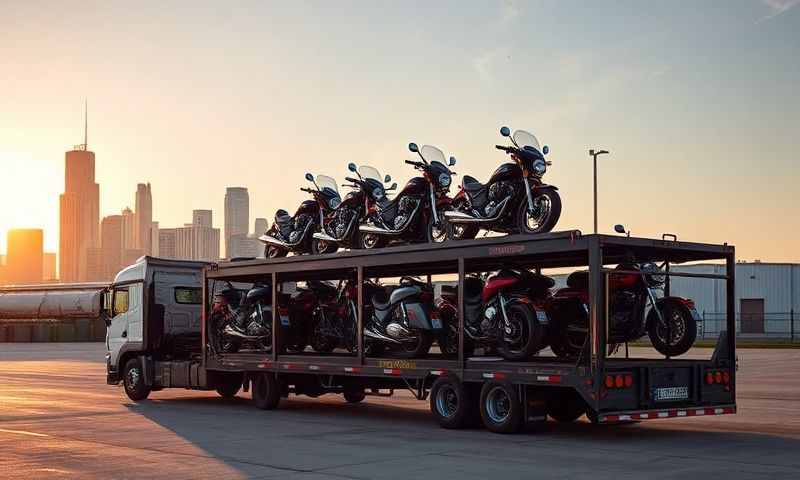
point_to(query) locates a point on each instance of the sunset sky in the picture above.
(698, 103)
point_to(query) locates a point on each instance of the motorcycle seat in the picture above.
(380, 300)
(282, 217)
(472, 185)
(579, 280)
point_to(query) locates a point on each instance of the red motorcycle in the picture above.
(671, 322)
(507, 312)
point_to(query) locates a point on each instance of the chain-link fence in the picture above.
(770, 326)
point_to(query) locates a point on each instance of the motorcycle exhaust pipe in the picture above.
(379, 336)
(270, 240)
(383, 231)
(228, 330)
(461, 217)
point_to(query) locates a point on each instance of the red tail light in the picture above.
(726, 377)
(628, 381)
(709, 378)
(619, 382)
(718, 377)
(609, 381)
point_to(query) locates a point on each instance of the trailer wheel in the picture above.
(566, 408)
(354, 396)
(452, 404)
(266, 393)
(501, 410)
(229, 385)
(133, 380)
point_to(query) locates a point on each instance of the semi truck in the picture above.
(160, 329)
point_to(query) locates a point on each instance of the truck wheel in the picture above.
(266, 393)
(452, 403)
(354, 396)
(133, 380)
(229, 386)
(501, 410)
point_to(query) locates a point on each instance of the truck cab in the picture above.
(153, 313)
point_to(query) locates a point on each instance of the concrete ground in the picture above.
(58, 419)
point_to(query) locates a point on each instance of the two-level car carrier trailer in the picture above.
(465, 390)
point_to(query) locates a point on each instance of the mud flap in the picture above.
(534, 404)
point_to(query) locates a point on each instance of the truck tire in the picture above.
(266, 392)
(133, 380)
(452, 404)
(229, 385)
(501, 410)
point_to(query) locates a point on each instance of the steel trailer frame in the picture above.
(550, 250)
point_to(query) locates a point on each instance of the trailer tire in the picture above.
(354, 396)
(501, 409)
(133, 380)
(452, 404)
(229, 385)
(266, 392)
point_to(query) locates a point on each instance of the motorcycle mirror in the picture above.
(505, 131)
(387, 179)
(619, 228)
(352, 167)
(309, 177)
(451, 162)
(545, 150)
(413, 147)
(393, 187)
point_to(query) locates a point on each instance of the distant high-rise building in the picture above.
(79, 211)
(143, 217)
(49, 267)
(112, 241)
(130, 232)
(95, 266)
(202, 218)
(166, 242)
(155, 249)
(261, 226)
(237, 217)
(24, 257)
(190, 242)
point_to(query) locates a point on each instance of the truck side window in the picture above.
(188, 295)
(120, 301)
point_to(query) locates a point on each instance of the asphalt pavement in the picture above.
(58, 419)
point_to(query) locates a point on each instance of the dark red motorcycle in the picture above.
(670, 322)
(506, 312)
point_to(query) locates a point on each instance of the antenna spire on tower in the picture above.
(86, 124)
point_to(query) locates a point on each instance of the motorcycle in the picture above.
(671, 322)
(400, 318)
(507, 312)
(514, 200)
(333, 325)
(237, 321)
(414, 215)
(294, 233)
(339, 227)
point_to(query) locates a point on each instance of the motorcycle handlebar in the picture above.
(306, 189)
(351, 179)
(503, 148)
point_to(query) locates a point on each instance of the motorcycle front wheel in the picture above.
(525, 338)
(322, 247)
(436, 232)
(681, 332)
(545, 215)
(272, 251)
(221, 342)
(370, 241)
(417, 348)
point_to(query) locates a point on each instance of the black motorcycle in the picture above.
(294, 233)
(340, 226)
(401, 318)
(414, 215)
(241, 318)
(514, 200)
(335, 317)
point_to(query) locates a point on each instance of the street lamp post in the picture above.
(594, 155)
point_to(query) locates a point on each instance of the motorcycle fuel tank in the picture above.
(258, 293)
(402, 293)
(495, 284)
(308, 207)
(506, 171)
(415, 186)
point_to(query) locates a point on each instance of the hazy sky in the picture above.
(697, 101)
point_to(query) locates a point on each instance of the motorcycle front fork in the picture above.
(528, 193)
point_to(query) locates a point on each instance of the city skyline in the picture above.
(697, 110)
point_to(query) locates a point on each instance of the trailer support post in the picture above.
(360, 322)
(730, 307)
(275, 322)
(462, 361)
(596, 311)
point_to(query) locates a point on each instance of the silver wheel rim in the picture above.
(438, 233)
(322, 245)
(273, 252)
(370, 241)
(446, 401)
(542, 206)
(498, 405)
(133, 377)
(677, 329)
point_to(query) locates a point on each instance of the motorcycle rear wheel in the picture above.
(461, 231)
(369, 241)
(683, 329)
(418, 348)
(322, 247)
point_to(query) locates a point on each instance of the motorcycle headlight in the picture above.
(378, 193)
(334, 202)
(539, 167)
(444, 179)
(653, 274)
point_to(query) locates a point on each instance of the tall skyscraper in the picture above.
(79, 211)
(112, 241)
(130, 232)
(237, 217)
(24, 258)
(261, 226)
(143, 217)
(155, 249)
(202, 218)
(49, 267)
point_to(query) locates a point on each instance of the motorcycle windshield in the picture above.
(371, 173)
(432, 154)
(526, 139)
(327, 185)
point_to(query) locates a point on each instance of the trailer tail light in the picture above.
(719, 377)
(609, 381)
(726, 377)
(620, 380)
(709, 378)
(628, 381)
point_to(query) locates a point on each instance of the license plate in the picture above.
(542, 317)
(696, 316)
(436, 323)
(668, 394)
